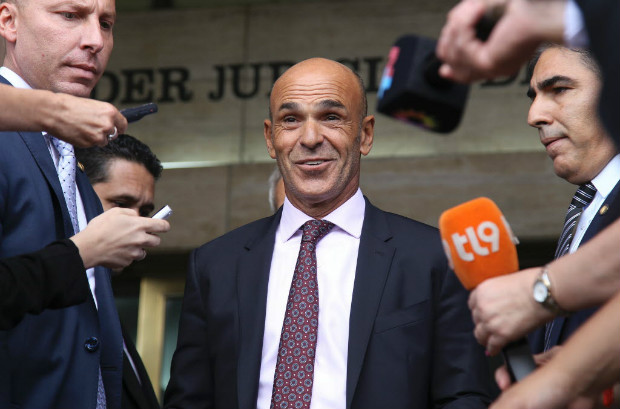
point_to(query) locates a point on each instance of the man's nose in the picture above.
(539, 113)
(311, 134)
(92, 35)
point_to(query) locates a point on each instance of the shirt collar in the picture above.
(608, 178)
(13, 78)
(349, 217)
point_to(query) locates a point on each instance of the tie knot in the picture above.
(63, 148)
(584, 195)
(314, 230)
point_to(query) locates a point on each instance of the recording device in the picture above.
(479, 244)
(163, 213)
(137, 113)
(411, 88)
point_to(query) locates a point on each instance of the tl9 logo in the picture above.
(487, 232)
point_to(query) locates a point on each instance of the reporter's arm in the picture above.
(82, 122)
(588, 363)
(591, 275)
(53, 277)
(503, 307)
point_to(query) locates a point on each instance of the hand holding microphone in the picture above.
(480, 245)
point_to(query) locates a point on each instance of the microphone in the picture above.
(480, 244)
(137, 113)
(411, 88)
(412, 91)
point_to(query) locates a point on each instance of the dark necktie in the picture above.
(583, 197)
(293, 379)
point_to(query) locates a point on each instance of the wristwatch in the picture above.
(543, 295)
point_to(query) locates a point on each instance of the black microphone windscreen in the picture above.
(412, 90)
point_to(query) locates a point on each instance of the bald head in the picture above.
(317, 132)
(330, 68)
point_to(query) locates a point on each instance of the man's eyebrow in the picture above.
(288, 106)
(330, 103)
(550, 82)
(127, 198)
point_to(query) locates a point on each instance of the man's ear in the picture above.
(8, 21)
(267, 129)
(367, 134)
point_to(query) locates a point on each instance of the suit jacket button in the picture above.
(91, 344)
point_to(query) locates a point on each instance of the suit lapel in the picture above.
(600, 221)
(90, 200)
(41, 154)
(373, 265)
(252, 280)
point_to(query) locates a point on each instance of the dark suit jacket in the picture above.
(563, 327)
(137, 394)
(50, 278)
(52, 360)
(410, 334)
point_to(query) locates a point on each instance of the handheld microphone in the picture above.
(479, 244)
(411, 88)
(137, 113)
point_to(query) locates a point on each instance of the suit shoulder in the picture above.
(238, 237)
(405, 225)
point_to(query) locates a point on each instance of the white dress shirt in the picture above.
(18, 82)
(604, 183)
(336, 255)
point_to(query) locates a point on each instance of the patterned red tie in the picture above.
(292, 383)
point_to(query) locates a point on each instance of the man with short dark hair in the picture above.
(123, 173)
(564, 88)
(330, 302)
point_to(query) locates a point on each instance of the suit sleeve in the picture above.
(461, 376)
(53, 277)
(191, 380)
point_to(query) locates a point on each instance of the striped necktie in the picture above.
(583, 197)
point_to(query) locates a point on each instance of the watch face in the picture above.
(540, 291)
